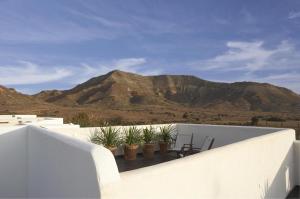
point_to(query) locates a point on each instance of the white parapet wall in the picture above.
(70, 168)
(30, 120)
(37, 163)
(49, 121)
(223, 134)
(247, 162)
(260, 167)
(9, 117)
(297, 161)
(13, 162)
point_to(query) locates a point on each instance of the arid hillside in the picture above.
(125, 98)
(122, 89)
(12, 102)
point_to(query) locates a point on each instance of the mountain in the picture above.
(122, 89)
(12, 102)
(9, 96)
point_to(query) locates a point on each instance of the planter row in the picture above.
(130, 151)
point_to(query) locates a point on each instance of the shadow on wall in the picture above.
(36, 163)
(13, 170)
(282, 183)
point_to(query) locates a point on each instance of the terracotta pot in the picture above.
(148, 151)
(163, 147)
(112, 150)
(130, 151)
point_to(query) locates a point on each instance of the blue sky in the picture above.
(59, 43)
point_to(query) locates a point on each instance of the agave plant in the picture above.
(132, 136)
(165, 133)
(107, 136)
(148, 135)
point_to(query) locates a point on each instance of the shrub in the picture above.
(107, 136)
(116, 120)
(185, 115)
(82, 119)
(275, 119)
(254, 121)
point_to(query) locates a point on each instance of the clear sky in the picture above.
(56, 44)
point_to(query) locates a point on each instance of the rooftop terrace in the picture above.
(14, 120)
(140, 162)
(246, 162)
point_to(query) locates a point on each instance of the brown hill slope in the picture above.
(9, 96)
(12, 102)
(122, 89)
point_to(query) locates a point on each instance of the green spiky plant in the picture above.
(132, 136)
(149, 138)
(165, 134)
(107, 136)
(165, 138)
(149, 135)
(132, 140)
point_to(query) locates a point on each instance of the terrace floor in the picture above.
(295, 193)
(127, 165)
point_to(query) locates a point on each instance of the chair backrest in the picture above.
(182, 139)
(208, 143)
(201, 144)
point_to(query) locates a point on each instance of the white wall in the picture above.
(9, 128)
(17, 116)
(49, 120)
(84, 134)
(30, 120)
(223, 134)
(260, 167)
(297, 160)
(59, 169)
(37, 163)
(62, 167)
(13, 162)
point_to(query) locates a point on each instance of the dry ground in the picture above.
(162, 114)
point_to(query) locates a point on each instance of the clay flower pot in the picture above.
(148, 151)
(113, 150)
(130, 151)
(163, 147)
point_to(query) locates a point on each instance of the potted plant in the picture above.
(132, 140)
(108, 137)
(148, 140)
(165, 138)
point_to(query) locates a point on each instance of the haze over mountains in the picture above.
(122, 89)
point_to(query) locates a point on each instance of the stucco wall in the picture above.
(297, 160)
(13, 162)
(59, 168)
(260, 167)
(40, 163)
(223, 134)
(37, 163)
(85, 133)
